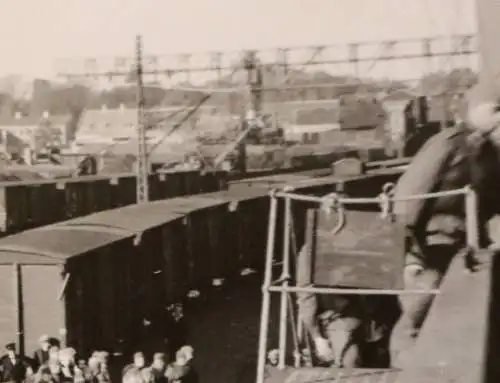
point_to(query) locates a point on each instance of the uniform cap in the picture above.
(11, 346)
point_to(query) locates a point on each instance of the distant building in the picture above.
(120, 124)
(33, 131)
(339, 121)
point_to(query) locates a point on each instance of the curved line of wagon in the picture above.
(166, 249)
(99, 281)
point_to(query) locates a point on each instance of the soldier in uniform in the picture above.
(12, 367)
(466, 154)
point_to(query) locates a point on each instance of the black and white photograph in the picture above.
(249, 191)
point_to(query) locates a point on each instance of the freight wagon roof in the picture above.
(129, 220)
(186, 205)
(273, 180)
(53, 244)
(236, 194)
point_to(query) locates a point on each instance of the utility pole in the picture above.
(142, 155)
(123, 69)
(254, 103)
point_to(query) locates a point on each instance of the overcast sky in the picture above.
(35, 32)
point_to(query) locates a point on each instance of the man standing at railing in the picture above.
(437, 228)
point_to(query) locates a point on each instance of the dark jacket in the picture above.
(182, 374)
(158, 375)
(15, 372)
(449, 160)
(40, 357)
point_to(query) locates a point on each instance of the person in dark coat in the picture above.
(12, 367)
(465, 154)
(41, 355)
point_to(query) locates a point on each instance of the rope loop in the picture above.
(331, 203)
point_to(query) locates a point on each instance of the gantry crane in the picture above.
(461, 45)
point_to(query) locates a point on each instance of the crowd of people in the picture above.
(52, 364)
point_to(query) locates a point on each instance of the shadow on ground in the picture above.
(225, 332)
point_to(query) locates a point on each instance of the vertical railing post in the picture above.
(285, 276)
(266, 299)
(61, 297)
(472, 222)
(18, 306)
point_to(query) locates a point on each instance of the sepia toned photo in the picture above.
(229, 191)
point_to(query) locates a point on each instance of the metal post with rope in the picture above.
(386, 202)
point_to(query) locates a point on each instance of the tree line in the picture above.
(72, 99)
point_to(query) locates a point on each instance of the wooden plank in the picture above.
(330, 375)
(367, 253)
(459, 337)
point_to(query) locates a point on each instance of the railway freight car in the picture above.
(107, 279)
(94, 281)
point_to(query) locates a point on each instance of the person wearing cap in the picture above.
(12, 367)
(436, 229)
(41, 355)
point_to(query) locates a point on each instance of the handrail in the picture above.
(374, 200)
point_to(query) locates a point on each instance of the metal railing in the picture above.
(383, 200)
